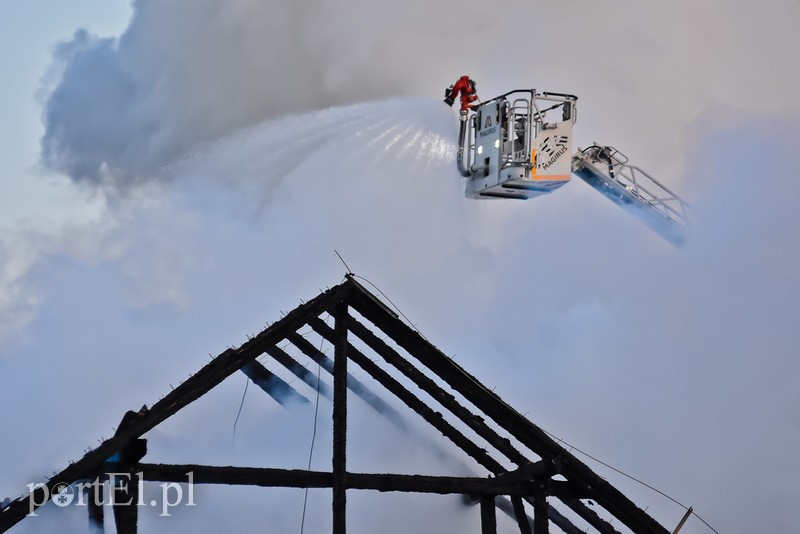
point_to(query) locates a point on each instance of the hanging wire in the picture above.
(313, 439)
(241, 404)
(601, 462)
(397, 309)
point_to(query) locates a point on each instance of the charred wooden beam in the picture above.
(427, 385)
(125, 496)
(190, 390)
(521, 516)
(272, 384)
(431, 416)
(517, 425)
(525, 522)
(444, 398)
(563, 523)
(582, 482)
(504, 504)
(562, 490)
(95, 507)
(542, 469)
(292, 478)
(515, 507)
(541, 523)
(311, 379)
(591, 517)
(125, 506)
(133, 451)
(488, 515)
(355, 385)
(339, 477)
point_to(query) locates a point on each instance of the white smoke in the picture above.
(184, 73)
(675, 366)
(573, 310)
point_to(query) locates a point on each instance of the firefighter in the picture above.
(466, 86)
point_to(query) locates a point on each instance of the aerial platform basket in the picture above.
(517, 145)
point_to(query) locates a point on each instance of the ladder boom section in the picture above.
(608, 171)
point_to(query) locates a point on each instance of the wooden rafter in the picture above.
(531, 482)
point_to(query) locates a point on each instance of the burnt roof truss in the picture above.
(365, 330)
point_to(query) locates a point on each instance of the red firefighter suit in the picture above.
(466, 87)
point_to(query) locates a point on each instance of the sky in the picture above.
(178, 174)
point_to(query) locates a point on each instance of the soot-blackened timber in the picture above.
(542, 473)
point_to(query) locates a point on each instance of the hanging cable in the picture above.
(241, 404)
(399, 311)
(601, 462)
(313, 439)
(351, 273)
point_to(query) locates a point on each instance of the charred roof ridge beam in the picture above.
(494, 407)
(210, 375)
(351, 281)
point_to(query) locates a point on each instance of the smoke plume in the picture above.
(240, 135)
(186, 72)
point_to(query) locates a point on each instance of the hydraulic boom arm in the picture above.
(608, 171)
